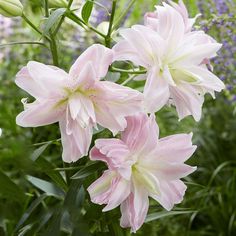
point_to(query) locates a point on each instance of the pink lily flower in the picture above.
(78, 100)
(141, 166)
(151, 19)
(175, 60)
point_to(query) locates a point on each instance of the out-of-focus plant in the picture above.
(219, 20)
(47, 197)
(57, 3)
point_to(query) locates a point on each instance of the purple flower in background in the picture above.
(100, 13)
(223, 27)
(221, 6)
(5, 32)
(5, 27)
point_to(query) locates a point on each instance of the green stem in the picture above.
(53, 46)
(59, 25)
(33, 26)
(47, 142)
(108, 36)
(126, 10)
(80, 22)
(138, 72)
(20, 43)
(128, 80)
(53, 43)
(62, 19)
(69, 4)
(46, 8)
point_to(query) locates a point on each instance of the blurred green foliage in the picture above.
(37, 195)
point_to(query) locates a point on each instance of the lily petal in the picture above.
(39, 114)
(171, 193)
(100, 57)
(134, 209)
(156, 91)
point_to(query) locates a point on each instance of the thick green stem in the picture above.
(124, 13)
(46, 8)
(69, 4)
(53, 46)
(53, 43)
(108, 36)
(59, 25)
(62, 19)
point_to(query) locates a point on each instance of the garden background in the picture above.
(35, 199)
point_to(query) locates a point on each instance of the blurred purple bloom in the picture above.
(223, 27)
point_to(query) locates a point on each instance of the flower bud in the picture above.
(57, 3)
(11, 8)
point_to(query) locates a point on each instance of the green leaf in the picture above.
(54, 226)
(158, 215)
(218, 169)
(73, 204)
(47, 187)
(44, 219)
(25, 229)
(87, 170)
(29, 211)
(53, 18)
(71, 199)
(112, 76)
(87, 10)
(38, 152)
(116, 229)
(48, 168)
(98, 130)
(10, 190)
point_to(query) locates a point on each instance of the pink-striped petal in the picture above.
(100, 57)
(171, 193)
(39, 114)
(134, 209)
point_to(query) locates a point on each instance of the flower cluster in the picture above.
(140, 165)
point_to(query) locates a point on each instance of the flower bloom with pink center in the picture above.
(78, 100)
(141, 166)
(176, 61)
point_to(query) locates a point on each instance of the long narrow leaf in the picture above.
(158, 215)
(31, 208)
(87, 170)
(48, 169)
(47, 187)
(53, 18)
